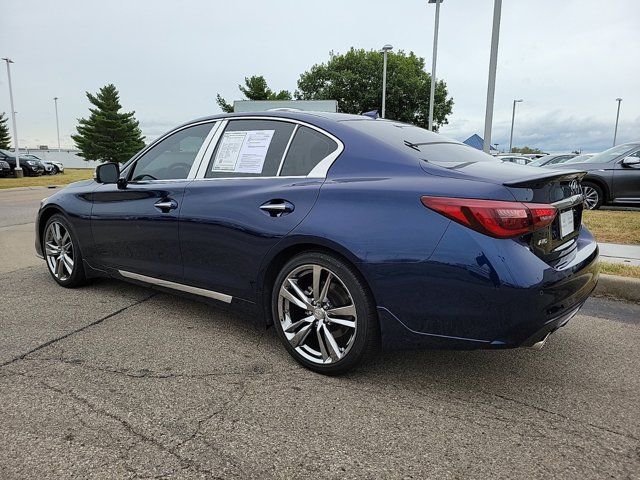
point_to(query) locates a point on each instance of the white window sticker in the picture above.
(243, 151)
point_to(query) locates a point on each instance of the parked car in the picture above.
(517, 159)
(613, 176)
(5, 169)
(348, 232)
(52, 167)
(48, 168)
(534, 156)
(29, 166)
(580, 158)
(552, 159)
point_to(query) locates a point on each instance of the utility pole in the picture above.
(513, 117)
(385, 50)
(432, 94)
(55, 100)
(493, 62)
(615, 132)
(17, 171)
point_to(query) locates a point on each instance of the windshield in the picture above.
(580, 158)
(610, 154)
(422, 143)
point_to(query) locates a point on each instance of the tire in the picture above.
(593, 195)
(56, 170)
(58, 249)
(340, 330)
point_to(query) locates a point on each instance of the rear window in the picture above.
(422, 143)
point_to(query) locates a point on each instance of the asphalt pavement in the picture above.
(119, 381)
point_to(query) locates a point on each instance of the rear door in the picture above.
(259, 179)
(626, 180)
(135, 229)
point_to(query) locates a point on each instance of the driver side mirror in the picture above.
(107, 173)
(631, 161)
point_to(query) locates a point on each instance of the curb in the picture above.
(624, 288)
(35, 187)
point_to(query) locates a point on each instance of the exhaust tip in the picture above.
(540, 344)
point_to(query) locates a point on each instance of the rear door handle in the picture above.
(277, 208)
(166, 205)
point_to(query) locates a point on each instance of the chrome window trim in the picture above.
(206, 158)
(196, 162)
(286, 149)
(203, 292)
(318, 172)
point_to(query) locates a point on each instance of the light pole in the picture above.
(385, 50)
(493, 61)
(615, 132)
(17, 171)
(432, 94)
(513, 117)
(55, 101)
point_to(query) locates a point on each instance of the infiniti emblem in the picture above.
(574, 186)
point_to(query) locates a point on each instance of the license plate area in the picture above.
(567, 223)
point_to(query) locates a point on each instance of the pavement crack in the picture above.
(185, 462)
(73, 332)
(565, 417)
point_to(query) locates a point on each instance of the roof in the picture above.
(475, 141)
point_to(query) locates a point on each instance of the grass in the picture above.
(70, 175)
(613, 226)
(620, 269)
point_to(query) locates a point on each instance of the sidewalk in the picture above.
(615, 253)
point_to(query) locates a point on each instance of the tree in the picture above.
(108, 135)
(255, 88)
(5, 138)
(354, 79)
(526, 150)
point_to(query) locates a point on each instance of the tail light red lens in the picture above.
(495, 218)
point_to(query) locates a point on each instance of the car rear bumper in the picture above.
(501, 299)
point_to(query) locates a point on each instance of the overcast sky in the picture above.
(568, 59)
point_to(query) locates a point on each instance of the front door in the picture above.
(135, 229)
(626, 180)
(255, 188)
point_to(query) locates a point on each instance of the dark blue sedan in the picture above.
(347, 233)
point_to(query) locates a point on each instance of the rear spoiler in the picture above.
(533, 180)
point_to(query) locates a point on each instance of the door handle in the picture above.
(166, 205)
(277, 208)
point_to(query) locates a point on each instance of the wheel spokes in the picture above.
(68, 263)
(327, 307)
(334, 349)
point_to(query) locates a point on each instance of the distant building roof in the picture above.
(476, 141)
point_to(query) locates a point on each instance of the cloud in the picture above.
(552, 131)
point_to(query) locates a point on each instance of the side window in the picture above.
(307, 149)
(250, 148)
(172, 158)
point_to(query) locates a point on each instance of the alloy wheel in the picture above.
(59, 251)
(591, 197)
(317, 314)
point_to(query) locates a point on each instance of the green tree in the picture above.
(5, 138)
(255, 88)
(526, 150)
(354, 79)
(108, 135)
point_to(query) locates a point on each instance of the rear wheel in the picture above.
(324, 313)
(62, 252)
(592, 195)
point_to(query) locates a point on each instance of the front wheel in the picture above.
(592, 195)
(62, 252)
(324, 313)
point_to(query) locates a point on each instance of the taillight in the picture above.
(495, 218)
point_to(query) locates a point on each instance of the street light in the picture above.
(17, 171)
(385, 50)
(493, 61)
(55, 101)
(432, 94)
(615, 132)
(513, 117)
